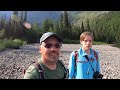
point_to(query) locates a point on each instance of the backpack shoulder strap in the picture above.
(76, 57)
(95, 54)
(65, 69)
(75, 60)
(39, 69)
(61, 63)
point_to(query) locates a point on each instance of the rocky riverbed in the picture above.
(13, 60)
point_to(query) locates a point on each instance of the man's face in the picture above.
(87, 42)
(50, 49)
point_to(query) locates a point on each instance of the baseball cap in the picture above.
(48, 34)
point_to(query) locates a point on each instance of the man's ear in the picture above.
(40, 49)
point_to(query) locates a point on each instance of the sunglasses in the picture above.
(49, 45)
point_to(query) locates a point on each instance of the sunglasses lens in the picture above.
(57, 45)
(49, 45)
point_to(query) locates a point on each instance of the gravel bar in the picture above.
(12, 61)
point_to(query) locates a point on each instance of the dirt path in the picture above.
(13, 60)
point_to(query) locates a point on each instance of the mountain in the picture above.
(35, 16)
(7, 14)
(39, 16)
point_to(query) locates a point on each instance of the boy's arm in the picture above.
(98, 63)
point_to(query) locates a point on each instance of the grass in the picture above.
(67, 41)
(99, 43)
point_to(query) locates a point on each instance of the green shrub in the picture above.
(2, 47)
(116, 45)
(19, 42)
(9, 43)
(2, 33)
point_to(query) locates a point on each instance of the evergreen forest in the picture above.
(105, 26)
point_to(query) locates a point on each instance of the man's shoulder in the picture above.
(31, 73)
(31, 68)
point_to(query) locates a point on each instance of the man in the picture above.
(50, 45)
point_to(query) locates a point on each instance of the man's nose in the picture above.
(53, 48)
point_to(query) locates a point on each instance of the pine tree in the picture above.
(46, 25)
(88, 26)
(57, 28)
(82, 27)
(61, 24)
(65, 24)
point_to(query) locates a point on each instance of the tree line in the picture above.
(104, 28)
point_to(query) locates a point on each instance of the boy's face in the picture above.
(87, 42)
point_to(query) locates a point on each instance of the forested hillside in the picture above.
(79, 16)
(105, 25)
